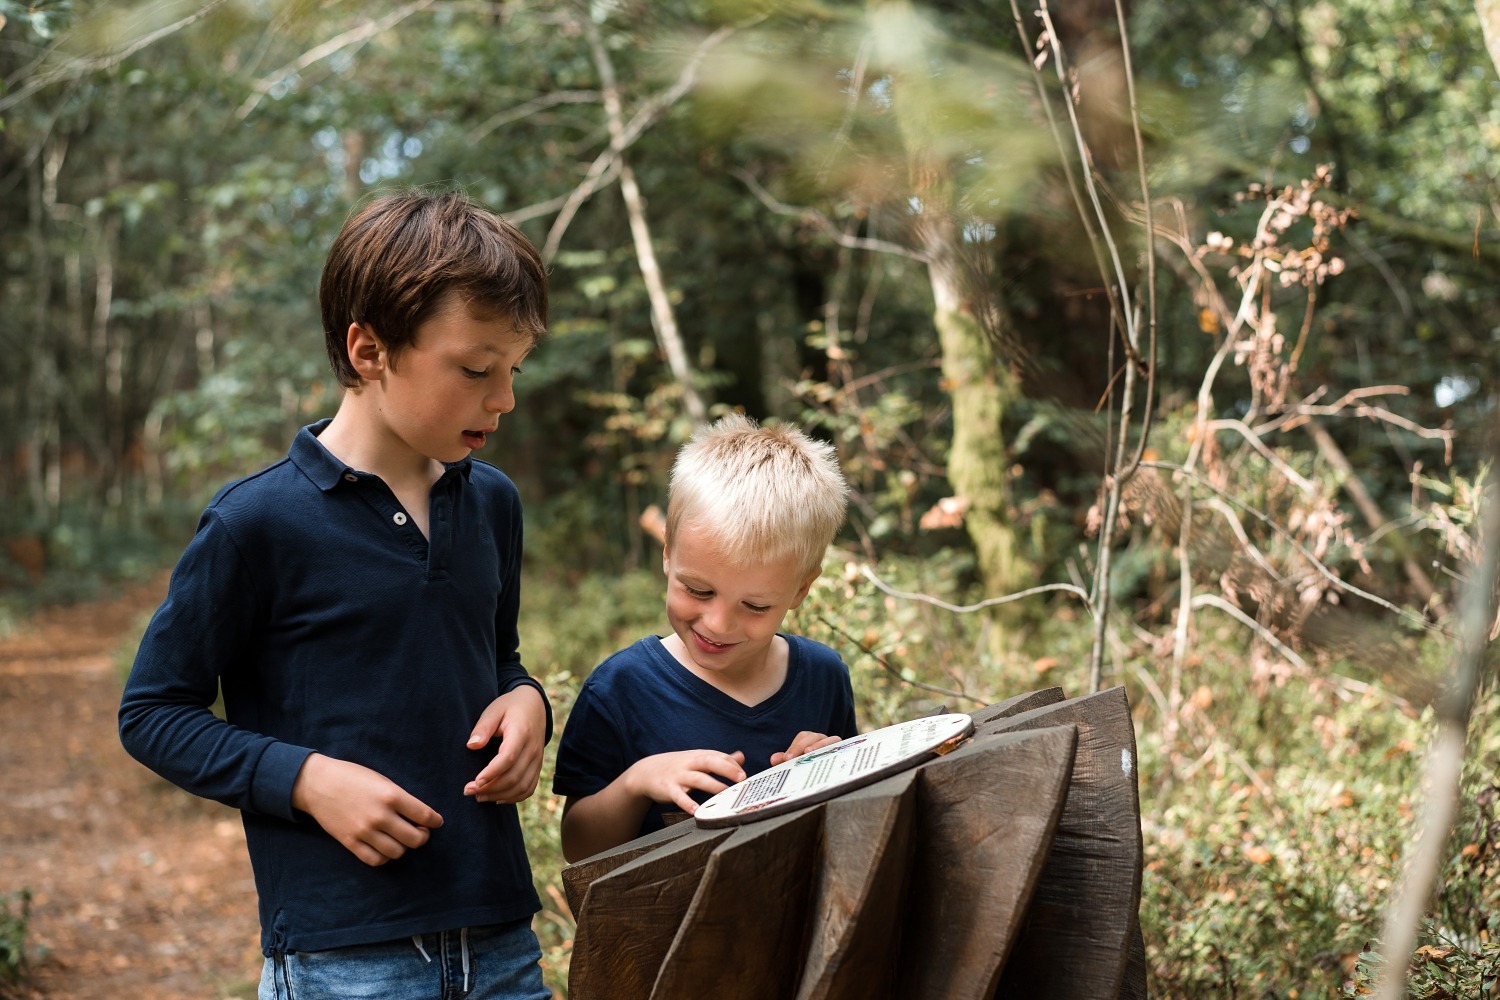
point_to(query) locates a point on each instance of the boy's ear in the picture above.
(366, 352)
(806, 586)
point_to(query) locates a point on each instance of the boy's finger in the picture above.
(486, 729)
(419, 814)
(500, 764)
(734, 770)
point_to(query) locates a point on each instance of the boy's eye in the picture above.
(759, 609)
(471, 373)
(695, 592)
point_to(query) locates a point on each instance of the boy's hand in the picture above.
(368, 813)
(519, 718)
(804, 742)
(668, 777)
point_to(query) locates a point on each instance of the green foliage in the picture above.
(171, 203)
(568, 625)
(15, 917)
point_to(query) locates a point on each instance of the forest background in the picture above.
(1157, 339)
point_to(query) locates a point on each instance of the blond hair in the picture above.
(762, 493)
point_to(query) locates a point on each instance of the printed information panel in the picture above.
(822, 774)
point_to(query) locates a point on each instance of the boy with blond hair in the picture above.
(666, 722)
(356, 603)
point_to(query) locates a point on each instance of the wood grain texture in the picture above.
(861, 885)
(985, 815)
(1135, 986)
(1074, 943)
(1017, 704)
(742, 938)
(1008, 868)
(578, 876)
(632, 916)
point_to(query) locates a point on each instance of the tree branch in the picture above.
(528, 108)
(826, 224)
(1078, 592)
(1445, 759)
(354, 36)
(75, 68)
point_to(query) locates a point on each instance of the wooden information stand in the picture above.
(1007, 867)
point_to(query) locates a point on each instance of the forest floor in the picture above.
(138, 890)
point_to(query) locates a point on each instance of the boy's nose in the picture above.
(719, 618)
(501, 400)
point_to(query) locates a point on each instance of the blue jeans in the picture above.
(479, 963)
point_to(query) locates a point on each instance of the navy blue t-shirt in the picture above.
(335, 626)
(641, 702)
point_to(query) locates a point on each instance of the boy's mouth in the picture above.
(710, 645)
(475, 439)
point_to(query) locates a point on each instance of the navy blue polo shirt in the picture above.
(332, 625)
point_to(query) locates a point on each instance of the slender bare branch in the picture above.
(74, 68)
(605, 163)
(1149, 405)
(826, 224)
(662, 316)
(1067, 165)
(1445, 759)
(1252, 439)
(963, 609)
(611, 170)
(891, 669)
(528, 108)
(1313, 561)
(1223, 509)
(1059, 66)
(357, 35)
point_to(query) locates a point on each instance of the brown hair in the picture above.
(400, 256)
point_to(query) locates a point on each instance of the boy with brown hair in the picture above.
(664, 723)
(356, 603)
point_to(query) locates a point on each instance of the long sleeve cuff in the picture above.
(533, 682)
(275, 774)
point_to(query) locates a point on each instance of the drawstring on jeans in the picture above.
(463, 947)
(463, 951)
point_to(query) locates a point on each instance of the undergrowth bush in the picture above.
(1275, 821)
(15, 917)
(566, 628)
(1276, 828)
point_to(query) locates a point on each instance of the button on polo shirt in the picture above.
(331, 633)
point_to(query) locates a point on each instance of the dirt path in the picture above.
(139, 890)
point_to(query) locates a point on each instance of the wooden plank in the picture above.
(1074, 940)
(1134, 987)
(985, 815)
(1016, 704)
(630, 915)
(855, 923)
(578, 876)
(743, 935)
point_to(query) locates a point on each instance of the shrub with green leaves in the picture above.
(15, 916)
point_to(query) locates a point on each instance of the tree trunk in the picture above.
(980, 386)
(663, 319)
(1489, 23)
